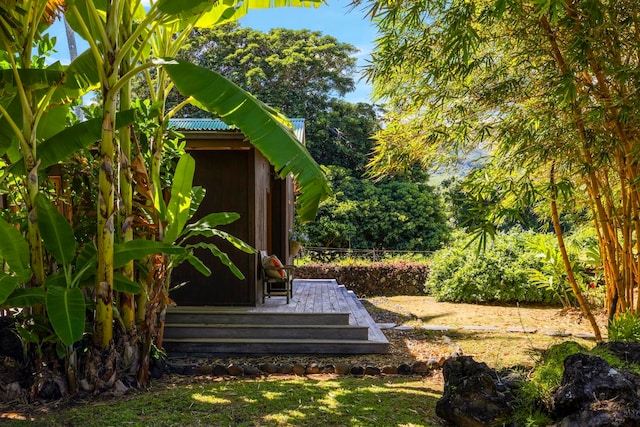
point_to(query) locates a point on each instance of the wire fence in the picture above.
(329, 255)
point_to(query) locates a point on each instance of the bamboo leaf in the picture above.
(65, 308)
(263, 129)
(56, 231)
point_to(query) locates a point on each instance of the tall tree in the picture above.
(302, 73)
(341, 135)
(394, 214)
(549, 87)
(295, 71)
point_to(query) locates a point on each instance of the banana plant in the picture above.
(184, 202)
(115, 46)
(171, 219)
(33, 99)
(62, 293)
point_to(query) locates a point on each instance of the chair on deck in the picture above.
(277, 278)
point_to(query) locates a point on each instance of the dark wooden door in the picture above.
(227, 177)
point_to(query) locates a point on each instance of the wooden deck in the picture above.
(322, 317)
(324, 296)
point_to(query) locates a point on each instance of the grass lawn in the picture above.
(290, 401)
(328, 400)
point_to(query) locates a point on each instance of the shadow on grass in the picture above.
(343, 401)
(383, 315)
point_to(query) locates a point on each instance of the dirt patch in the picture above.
(486, 332)
(417, 311)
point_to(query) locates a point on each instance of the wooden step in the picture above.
(322, 318)
(204, 330)
(208, 316)
(206, 347)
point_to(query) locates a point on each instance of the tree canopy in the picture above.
(295, 71)
(394, 214)
(547, 87)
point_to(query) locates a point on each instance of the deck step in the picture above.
(205, 347)
(206, 315)
(205, 330)
(322, 318)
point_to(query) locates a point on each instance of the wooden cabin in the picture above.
(238, 178)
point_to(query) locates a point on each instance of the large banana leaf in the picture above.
(121, 283)
(224, 10)
(264, 130)
(178, 210)
(7, 285)
(198, 265)
(214, 232)
(56, 231)
(222, 256)
(72, 139)
(14, 250)
(140, 248)
(25, 297)
(7, 134)
(65, 308)
(68, 83)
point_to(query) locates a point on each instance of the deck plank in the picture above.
(310, 296)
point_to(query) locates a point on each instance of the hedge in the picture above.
(375, 279)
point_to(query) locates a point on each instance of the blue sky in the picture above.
(335, 18)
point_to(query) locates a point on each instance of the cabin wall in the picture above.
(228, 177)
(238, 178)
(262, 214)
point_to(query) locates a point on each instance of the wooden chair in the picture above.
(276, 280)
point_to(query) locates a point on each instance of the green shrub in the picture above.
(534, 395)
(500, 273)
(389, 214)
(625, 327)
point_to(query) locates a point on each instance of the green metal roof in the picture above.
(203, 125)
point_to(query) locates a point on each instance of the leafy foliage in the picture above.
(625, 327)
(499, 273)
(390, 214)
(296, 71)
(547, 89)
(543, 380)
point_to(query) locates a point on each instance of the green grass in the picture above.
(390, 401)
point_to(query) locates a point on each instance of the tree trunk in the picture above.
(103, 333)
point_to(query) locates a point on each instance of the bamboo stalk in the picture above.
(565, 257)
